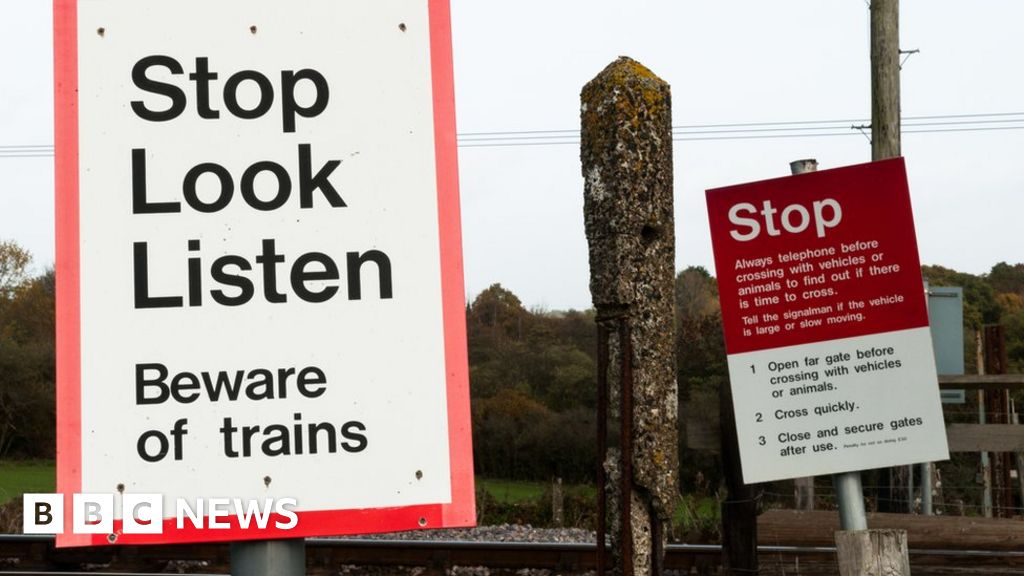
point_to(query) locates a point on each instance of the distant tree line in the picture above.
(533, 382)
(532, 371)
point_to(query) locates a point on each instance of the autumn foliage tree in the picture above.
(1007, 282)
(27, 422)
(532, 377)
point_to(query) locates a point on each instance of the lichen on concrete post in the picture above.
(626, 152)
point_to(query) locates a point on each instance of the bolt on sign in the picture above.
(259, 265)
(826, 329)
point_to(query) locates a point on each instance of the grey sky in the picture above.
(519, 66)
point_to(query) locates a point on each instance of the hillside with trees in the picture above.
(532, 371)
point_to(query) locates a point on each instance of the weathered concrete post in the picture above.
(626, 153)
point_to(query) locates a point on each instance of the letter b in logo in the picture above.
(43, 514)
(93, 514)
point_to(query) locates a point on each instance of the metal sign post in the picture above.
(850, 499)
(268, 558)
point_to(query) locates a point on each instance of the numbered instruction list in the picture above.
(842, 405)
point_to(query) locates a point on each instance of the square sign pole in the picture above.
(826, 330)
(259, 267)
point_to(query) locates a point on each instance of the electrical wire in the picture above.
(930, 124)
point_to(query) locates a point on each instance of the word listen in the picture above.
(311, 277)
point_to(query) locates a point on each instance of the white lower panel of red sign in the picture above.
(838, 406)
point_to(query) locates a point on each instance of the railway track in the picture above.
(25, 555)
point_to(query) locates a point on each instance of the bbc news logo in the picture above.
(144, 513)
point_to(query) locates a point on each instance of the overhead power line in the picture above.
(997, 121)
(944, 123)
(26, 151)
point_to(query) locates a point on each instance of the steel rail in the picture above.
(355, 542)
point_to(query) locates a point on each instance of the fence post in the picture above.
(557, 503)
(872, 552)
(626, 154)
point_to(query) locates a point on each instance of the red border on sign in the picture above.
(461, 511)
(69, 345)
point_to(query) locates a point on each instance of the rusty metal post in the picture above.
(739, 509)
(986, 468)
(602, 447)
(997, 403)
(626, 152)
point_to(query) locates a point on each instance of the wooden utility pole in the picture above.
(864, 552)
(626, 152)
(885, 142)
(885, 79)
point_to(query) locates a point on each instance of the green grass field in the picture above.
(693, 512)
(518, 492)
(19, 477)
(511, 491)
